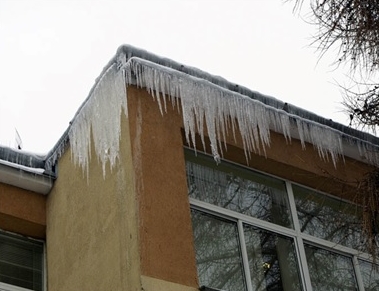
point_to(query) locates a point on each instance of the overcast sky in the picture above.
(52, 51)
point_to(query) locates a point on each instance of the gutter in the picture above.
(26, 178)
(25, 170)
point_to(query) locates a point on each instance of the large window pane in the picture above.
(239, 190)
(218, 254)
(329, 218)
(330, 271)
(272, 260)
(370, 275)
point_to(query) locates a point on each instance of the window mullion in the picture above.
(245, 259)
(358, 275)
(229, 214)
(292, 205)
(302, 259)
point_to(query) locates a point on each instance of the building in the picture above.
(169, 178)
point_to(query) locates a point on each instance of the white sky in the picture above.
(52, 51)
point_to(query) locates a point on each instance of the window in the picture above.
(256, 232)
(21, 263)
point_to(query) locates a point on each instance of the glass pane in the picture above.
(370, 275)
(329, 218)
(272, 260)
(330, 271)
(239, 190)
(218, 255)
(21, 262)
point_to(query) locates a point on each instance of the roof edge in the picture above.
(126, 52)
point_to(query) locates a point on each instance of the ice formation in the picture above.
(100, 115)
(204, 105)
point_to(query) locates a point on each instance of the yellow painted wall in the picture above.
(92, 238)
(167, 251)
(133, 230)
(165, 229)
(22, 211)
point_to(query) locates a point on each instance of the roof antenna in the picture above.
(18, 140)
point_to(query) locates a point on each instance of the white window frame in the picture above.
(295, 233)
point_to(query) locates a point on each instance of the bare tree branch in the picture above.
(352, 26)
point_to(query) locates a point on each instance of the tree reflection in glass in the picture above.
(329, 218)
(240, 190)
(370, 275)
(272, 261)
(330, 271)
(218, 252)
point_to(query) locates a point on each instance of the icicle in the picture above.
(206, 104)
(205, 107)
(367, 151)
(101, 115)
(326, 140)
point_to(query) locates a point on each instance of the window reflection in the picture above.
(329, 218)
(272, 260)
(272, 255)
(218, 255)
(370, 275)
(240, 190)
(330, 271)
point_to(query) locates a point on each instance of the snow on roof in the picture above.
(22, 167)
(23, 158)
(205, 99)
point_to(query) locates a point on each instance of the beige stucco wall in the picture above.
(22, 211)
(165, 229)
(92, 238)
(167, 251)
(133, 231)
(105, 234)
(290, 161)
